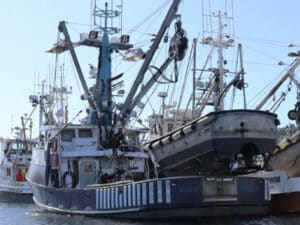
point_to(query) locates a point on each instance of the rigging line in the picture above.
(261, 52)
(74, 73)
(142, 43)
(202, 19)
(157, 10)
(232, 11)
(185, 80)
(175, 85)
(148, 101)
(268, 41)
(264, 64)
(74, 29)
(264, 89)
(258, 63)
(140, 32)
(78, 24)
(91, 16)
(265, 43)
(152, 22)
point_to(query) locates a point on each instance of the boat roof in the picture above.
(67, 126)
(11, 139)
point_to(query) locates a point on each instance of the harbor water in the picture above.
(28, 214)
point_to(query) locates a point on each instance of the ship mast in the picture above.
(99, 97)
(104, 96)
(220, 63)
(213, 92)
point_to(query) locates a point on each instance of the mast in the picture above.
(99, 97)
(194, 75)
(220, 63)
(104, 95)
(41, 106)
(221, 41)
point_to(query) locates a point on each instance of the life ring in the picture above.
(69, 180)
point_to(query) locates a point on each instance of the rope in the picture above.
(156, 11)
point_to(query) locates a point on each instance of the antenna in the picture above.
(102, 17)
(11, 122)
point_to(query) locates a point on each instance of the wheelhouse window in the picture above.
(67, 135)
(17, 146)
(88, 168)
(3, 146)
(85, 133)
(130, 140)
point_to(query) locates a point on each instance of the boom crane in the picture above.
(128, 104)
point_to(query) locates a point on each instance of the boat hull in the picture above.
(285, 203)
(287, 159)
(177, 197)
(285, 191)
(12, 191)
(247, 132)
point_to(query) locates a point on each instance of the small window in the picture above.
(273, 180)
(67, 135)
(85, 133)
(3, 146)
(88, 168)
(8, 172)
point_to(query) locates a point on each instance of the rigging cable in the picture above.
(188, 67)
(156, 11)
(265, 88)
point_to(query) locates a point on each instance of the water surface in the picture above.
(28, 214)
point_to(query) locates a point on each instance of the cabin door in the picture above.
(87, 173)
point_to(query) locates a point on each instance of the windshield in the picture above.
(15, 145)
(3, 146)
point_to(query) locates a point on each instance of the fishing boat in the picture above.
(282, 169)
(207, 137)
(284, 190)
(15, 157)
(100, 167)
(286, 155)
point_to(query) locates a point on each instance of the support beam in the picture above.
(288, 73)
(62, 28)
(166, 23)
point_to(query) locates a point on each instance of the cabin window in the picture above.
(88, 168)
(18, 146)
(130, 140)
(85, 133)
(3, 146)
(273, 180)
(67, 135)
(8, 173)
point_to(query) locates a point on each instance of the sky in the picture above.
(29, 28)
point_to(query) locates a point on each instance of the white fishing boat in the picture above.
(100, 168)
(15, 157)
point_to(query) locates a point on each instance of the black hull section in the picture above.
(180, 197)
(13, 197)
(247, 133)
(233, 146)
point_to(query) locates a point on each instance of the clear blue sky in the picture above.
(28, 28)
